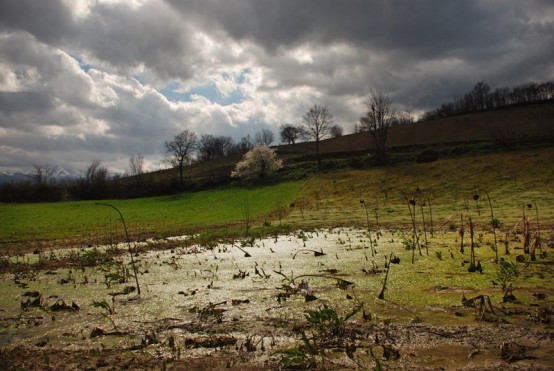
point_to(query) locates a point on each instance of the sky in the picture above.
(105, 79)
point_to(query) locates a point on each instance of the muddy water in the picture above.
(177, 284)
(200, 296)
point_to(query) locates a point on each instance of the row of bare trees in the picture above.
(290, 134)
(482, 97)
(315, 125)
(187, 147)
(378, 116)
(42, 185)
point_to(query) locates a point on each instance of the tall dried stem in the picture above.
(128, 243)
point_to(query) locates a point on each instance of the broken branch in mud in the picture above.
(512, 352)
(485, 309)
(291, 287)
(387, 265)
(210, 311)
(246, 253)
(316, 253)
(210, 342)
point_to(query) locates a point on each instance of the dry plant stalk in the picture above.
(462, 232)
(422, 204)
(382, 293)
(373, 251)
(494, 224)
(128, 243)
(526, 235)
(472, 264)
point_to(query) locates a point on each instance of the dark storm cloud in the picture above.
(117, 34)
(480, 34)
(48, 20)
(424, 27)
(151, 34)
(26, 101)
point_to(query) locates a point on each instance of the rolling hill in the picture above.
(491, 130)
(505, 126)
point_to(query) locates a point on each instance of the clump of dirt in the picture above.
(33, 358)
(397, 346)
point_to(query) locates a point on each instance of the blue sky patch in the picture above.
(208, 91)
(140, 78)
(84, 66)
(241, 78)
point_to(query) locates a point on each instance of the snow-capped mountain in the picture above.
(19, 174)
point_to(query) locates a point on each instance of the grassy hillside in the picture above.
(332, 198)
(512, 180)
(488, 131)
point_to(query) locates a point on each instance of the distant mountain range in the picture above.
(58, 173)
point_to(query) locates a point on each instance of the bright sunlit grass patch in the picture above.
(447, 188)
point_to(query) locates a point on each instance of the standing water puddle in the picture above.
(247, 297)
(232, 287)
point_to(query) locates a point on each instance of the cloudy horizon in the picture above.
(106, 79)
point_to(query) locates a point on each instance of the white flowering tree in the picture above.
(257, 164)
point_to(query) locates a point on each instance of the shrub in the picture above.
(257, 164)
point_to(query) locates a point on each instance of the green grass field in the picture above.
(512, 179)
(155, 216)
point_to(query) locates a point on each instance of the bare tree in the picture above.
(94, 172)
(136, 166)
(336, 131)
(316, 125)
(289, 133)
(181, 149)
(42, 174)
(377, 119)
(101, 176)
(95, 180)
(244, 145)
(480, 92)
(264, 137)
(210, 147)
(403, 118)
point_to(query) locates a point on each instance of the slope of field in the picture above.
(497, 129)
(447, 187)
(512, 180)
(512, 124)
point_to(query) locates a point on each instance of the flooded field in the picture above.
(336, 299)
